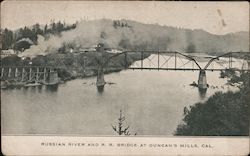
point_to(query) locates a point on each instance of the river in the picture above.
(152, 102)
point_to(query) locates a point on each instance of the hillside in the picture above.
(133, 35)
(223, 114)
(186, 40)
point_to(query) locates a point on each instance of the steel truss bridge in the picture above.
(138, 60)
(164, 60)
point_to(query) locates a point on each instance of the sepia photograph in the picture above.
(75, 74)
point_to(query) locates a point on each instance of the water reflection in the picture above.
(202, 93)
(52, 88)
(100, 88)
(39, 88)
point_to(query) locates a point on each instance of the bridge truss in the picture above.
(45, 75)
(150, 60)
(135, 60)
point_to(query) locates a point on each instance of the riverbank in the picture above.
(70, 66)
(223, 114)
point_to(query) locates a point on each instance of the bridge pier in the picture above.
(100, 82)
(23, 74)
(30, 74)
(9, 72)
(2, 71)
(37, 74)
(16, 72)
(44, 75)
(202, 80)
(52, 77)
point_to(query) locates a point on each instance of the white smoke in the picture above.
(86, 34)
(43, 47)
(25, 40)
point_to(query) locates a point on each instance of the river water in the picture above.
(151, 101)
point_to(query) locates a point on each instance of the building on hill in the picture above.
(9, 52)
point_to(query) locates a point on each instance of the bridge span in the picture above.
(136, 60)
(29, 74)
(170, 60)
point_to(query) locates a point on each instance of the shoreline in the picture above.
(8, 84)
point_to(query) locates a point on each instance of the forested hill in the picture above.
(186, 40)
(130, 35)
(27, 36)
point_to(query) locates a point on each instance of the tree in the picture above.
(27, 33)
(59, 27)
(7, 39)
(114, 24)
(120, 129)
(45, 30)
(11, 61)
(222, 114)
(53, 27)
(118, 23)
(39, 61)
(36, 29)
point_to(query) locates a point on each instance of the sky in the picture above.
(214, 17)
